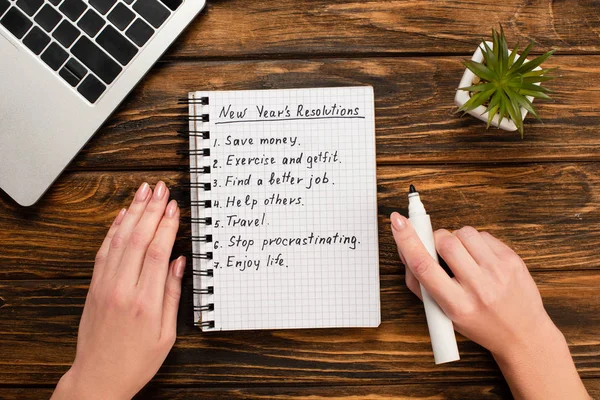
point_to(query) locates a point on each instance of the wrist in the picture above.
(541, 367)
(68, 387)
(547, 339)
(72, 385)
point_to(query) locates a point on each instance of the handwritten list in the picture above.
(293, 216)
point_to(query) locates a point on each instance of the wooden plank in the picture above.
(246, 28)
(416, 391)
(548, 212)
(415, 116)
(39, 325)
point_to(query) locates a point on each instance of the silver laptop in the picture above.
(65, 65)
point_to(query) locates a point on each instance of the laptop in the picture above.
(65, 65)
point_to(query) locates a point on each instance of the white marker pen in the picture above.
(441, 331)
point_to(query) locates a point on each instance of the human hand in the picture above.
(494, 301)
(129, 319)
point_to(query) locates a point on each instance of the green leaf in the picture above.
(476, 100)
(521, 101)
(514, 113)
(481, 70)
(513, 55)
(494, 101)
(540, 72)
(480, 87)
(528, 86)
(521, 59)
(504, 65)
(493, 107)
(490, 58)
(502, 108)
(496, 45)
(535, 79)
(492, 113)
(537, 95)
(532, 64)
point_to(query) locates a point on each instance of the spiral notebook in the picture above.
(284, 208)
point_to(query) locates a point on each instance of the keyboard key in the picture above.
(139, 32)
(4, 5)
(116, 45)
(172, 4)
(54, 56)
(66, 33)
(96, 60)
(73, 72)
(48, 17)
(30, 6)
(16, 22)
(73, 9)
(36, 40)
(152, 11)
(91, 88)
(91, 23)
(121, 16)
(102, 5)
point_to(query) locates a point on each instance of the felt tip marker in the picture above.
(441, 331)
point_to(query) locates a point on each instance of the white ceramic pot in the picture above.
(462, 96)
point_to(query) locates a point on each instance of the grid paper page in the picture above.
(294, 209)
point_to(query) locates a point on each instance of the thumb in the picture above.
(172, 296)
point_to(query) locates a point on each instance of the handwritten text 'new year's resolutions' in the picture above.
(229, 115)
(275, 182)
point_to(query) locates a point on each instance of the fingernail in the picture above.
(142, 193)
(160, 190)
(180, 267)
(398, 221)
(120, 216)
(171, 209)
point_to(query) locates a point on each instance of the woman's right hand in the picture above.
(494, 301)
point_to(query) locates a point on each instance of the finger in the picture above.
(428, 272)
(412, 284)
(498, 247)
(142, 235)
(172, 295)
(451, 249)
(156, 262)
(121, 237)
(103, 251)
(476, 246)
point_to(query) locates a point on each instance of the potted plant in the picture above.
(499, 85)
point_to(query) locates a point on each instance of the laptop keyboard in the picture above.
(87, 43)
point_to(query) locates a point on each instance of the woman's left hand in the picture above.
(129, 320)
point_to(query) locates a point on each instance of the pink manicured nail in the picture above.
(142, 193)
(120, 216)
(398, 221)
(160, 190)
(171, 209)
(180, 267)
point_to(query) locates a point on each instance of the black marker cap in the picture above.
(412, 189)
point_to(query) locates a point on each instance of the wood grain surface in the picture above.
(540, 194)
(289, 28)
(415, 114)
(41, 335)
(417, 391)
(550, 214)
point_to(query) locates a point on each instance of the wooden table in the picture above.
(541, 194)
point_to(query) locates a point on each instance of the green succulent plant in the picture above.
(506, 81)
